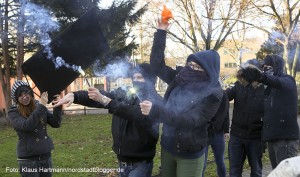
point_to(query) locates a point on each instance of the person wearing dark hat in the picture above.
(134, 135)
(245, 134)
(29, 118)
(192, 99)
(280, 127)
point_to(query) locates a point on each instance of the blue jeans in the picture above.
(137, 169)
(35, 168)
(282, 149)
(239, 149)
(217, 144)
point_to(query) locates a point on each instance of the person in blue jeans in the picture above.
(134, 135)
(246, 127)
(218, 132)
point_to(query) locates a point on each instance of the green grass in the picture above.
(82, 142)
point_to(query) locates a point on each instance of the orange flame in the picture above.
(166, 14)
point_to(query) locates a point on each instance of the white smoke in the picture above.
(39, 24)
(113, 70)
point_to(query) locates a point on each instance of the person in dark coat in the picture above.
(245, 135)
(134, 135)
(30, 118)
(280, 127)
(218, 132)
(192, 99)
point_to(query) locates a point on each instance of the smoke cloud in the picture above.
(39, 24)
(113, 70)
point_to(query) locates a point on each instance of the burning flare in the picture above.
(166, 14)
(133, 91)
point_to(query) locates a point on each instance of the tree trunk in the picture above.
(5, 76)
(296, 60)
(20, 41)
(286, 59)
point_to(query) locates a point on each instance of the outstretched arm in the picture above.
(157, 57)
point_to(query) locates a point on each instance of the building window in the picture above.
(230, 65)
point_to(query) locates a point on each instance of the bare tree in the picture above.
(20, 39)
(5, 63)
(285, 14)
(206, 24)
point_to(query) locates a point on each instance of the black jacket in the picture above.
(220, 122)
(248, 110)
(32, 131)
(190, 107)
(280, 118)
(134, 135)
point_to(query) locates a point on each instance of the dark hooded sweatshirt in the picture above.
(134, 135)
(190, 106)
(280, 116)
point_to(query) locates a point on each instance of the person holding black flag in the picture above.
(134, 135)
(30, 118)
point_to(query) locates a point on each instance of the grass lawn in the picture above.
(83, 141)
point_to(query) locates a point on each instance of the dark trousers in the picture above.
(35, 168)
(217, 144)
(239, 149)
(282, 149)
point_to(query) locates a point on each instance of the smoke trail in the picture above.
(274, 36)
(39, 24)
(113, 70)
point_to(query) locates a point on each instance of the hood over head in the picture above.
(277, 62)
(210, 62)
(146, 71)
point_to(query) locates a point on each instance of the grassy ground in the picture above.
(81, 142)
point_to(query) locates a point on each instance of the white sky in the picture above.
(105, 3)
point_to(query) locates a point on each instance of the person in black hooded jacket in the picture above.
(192, 99)
(280, 127)
(246, 127)
(134, 135)
(218, 132)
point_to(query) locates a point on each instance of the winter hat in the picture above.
(146, 71)
(18, 88)
(254, 62)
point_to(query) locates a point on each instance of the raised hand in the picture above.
(95, 95)
(44, 98)
(251, 74)
(67, 99)
(161, 25)
(146, 107)
(56, 99)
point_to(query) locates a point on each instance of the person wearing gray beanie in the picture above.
(30, 118)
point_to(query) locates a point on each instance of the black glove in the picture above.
(251, 74)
